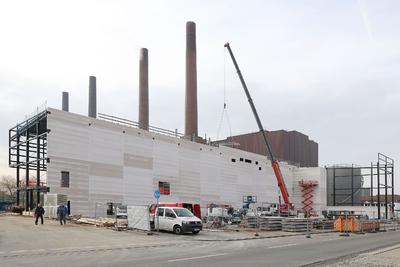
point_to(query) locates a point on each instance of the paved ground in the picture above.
(22, 243)
(389, 256)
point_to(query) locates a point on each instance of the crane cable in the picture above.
(224, 109)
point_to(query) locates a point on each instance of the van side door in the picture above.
(161, 219)
(170, 219)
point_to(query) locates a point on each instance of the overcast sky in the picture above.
(330, 69)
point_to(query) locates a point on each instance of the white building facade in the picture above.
(109, 162)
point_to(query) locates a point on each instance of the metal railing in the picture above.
(135, 124)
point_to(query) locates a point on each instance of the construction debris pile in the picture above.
(101, 222)
(324, 224)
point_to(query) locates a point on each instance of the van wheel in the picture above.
(177, 230)
(195, 232)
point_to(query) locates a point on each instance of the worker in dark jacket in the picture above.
(39, 211)
(62, 214)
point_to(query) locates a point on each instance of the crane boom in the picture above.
(275, 165)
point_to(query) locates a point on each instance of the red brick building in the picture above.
(291, 146)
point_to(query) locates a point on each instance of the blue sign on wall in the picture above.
(157, 194)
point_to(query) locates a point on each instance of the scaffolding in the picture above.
(28, 155)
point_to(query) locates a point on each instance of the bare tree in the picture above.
(8, 184)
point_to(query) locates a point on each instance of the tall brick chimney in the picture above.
(191, 130)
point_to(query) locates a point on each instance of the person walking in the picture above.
(39, 211)
(62, 214)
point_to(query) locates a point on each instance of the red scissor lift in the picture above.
(307, 190)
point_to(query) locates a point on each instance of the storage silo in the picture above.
(344, 185)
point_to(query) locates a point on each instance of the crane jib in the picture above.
(275, 164)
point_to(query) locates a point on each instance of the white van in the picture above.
(177, 220)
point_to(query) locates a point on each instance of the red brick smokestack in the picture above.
(144, 90)
(191, 82)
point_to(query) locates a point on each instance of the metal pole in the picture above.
(352, 184)
(334, 187)
(372, 184)
(257, 223)
(379, 192)
(37, 164)
(158, 220)
(345, 225)
(308, 227)
(393, 188)
(18, 170)
(27, 171)
(222, 218)
(386, 195)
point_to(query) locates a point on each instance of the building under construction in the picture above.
(101, 158)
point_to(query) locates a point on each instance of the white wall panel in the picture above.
(111, 162)
(138, 186)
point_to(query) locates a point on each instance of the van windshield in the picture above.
(183, 213)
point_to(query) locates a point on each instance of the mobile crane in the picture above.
(287, 206)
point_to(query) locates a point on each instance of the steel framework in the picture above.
(381, 179)
(27, 153)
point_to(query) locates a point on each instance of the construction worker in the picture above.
(39, 211)
(62, 214)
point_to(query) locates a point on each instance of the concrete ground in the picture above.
(22, 243)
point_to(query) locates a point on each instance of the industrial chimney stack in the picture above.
(144, 90)
(92, 97)
(191, 131)
(65, 101)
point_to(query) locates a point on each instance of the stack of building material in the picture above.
(296, 224)
(250, 222)
(324, 224)
(263, 223)
(270, 223)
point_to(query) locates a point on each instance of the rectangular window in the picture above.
(169, 213)
(247, 160)
(164, 188)
(160, 212)
(65, 179)
(241, 159)
(233, 160)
